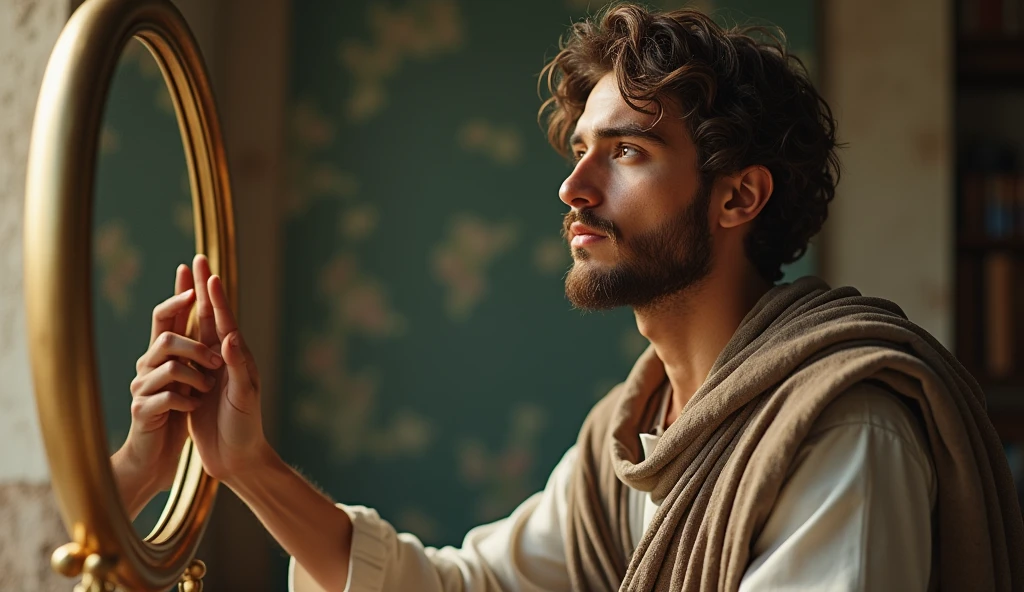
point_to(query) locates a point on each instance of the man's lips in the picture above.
(583, 235)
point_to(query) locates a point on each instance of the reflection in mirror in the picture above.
(142, 230)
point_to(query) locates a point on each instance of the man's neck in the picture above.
(690, 329)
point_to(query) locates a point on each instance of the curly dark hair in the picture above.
(745, 100)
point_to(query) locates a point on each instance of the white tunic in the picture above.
(854, 514)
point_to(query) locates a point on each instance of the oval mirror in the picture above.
(142, 227)
(100, 215)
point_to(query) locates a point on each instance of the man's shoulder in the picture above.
(873, 409)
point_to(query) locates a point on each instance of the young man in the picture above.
(789, 436)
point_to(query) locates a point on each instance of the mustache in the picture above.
(589, 218)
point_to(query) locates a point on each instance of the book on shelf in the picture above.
(990, 317)
(990, 18)
(991, 196)
(1000, 341)
(990, 264)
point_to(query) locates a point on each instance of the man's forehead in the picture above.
(606, 108)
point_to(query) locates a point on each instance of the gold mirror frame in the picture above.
(58, 287)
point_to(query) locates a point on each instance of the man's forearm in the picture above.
(302, 520)
(135, 488)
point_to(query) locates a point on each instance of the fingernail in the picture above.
(234, 340)
(216, 360)
(186, 293)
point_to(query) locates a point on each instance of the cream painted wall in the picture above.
(28, 29)
(887, 71)
(28, 512)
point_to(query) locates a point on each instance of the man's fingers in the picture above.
(204, 310)
(146, 409)
(182, 282)
(168, 373)
(225, 319)
(169, 346)
(166, 313)
(241, 368)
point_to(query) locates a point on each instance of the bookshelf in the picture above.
(989, 247)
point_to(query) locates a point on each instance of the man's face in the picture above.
(638, 227)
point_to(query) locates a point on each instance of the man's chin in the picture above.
(588, 288)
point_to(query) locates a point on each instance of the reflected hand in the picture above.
(148, 460)
(228, 428)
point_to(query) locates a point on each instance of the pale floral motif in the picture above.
(342, 404)
(408, 432)
(326, 179)
(313, 181)
(358, 222)
(503, 477)
(365, 308)
(119, 263)
(310, 128)
(551, 256)
(502, 144)
(462, 260)
(309, 179)
(419, 30)
(357, 302)
(343, 407)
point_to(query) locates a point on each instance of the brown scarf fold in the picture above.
(718, 469)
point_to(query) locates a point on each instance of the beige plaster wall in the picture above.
(887, 71)
(30, 526)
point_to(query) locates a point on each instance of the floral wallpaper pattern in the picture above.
(432, 367)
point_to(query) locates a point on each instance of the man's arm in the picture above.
(855, 513)
(523, 552)
(300, 518)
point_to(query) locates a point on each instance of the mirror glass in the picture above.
(142, 230)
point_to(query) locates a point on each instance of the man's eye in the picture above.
(628, 152)
(578, 155)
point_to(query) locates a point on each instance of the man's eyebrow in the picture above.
(622, 131)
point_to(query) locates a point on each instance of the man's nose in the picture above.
(581, 189)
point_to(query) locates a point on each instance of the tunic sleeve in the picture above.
(855, 512)
(523, 552)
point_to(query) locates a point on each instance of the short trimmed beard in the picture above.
(654, 265)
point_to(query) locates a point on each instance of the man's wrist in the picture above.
(265, 461)
(135, 484)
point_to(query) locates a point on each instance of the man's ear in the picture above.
(748, 192)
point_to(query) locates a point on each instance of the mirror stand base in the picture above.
(192, 579)
(73, 560)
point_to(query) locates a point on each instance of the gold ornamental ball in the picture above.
(68, 560)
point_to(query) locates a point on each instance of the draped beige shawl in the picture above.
(718, 469)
